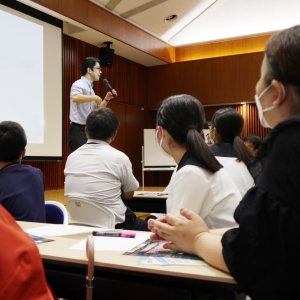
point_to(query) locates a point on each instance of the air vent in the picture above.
(171, 18)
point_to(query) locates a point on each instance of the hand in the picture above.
(110, 96)
(155, 237)
(183, 231)
(98, 100)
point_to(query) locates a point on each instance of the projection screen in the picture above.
(31, 77)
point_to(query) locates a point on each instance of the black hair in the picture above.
(254, 139)
(102, 124)
(283, 60)
(229, 124)
(12, 141)
(88, 62)
(183, 117)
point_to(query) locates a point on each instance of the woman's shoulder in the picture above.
(190, 170)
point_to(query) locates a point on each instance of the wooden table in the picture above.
(147, 203)
(117, 275)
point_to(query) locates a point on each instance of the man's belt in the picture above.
(78, 125)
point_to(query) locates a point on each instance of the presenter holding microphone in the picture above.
(83, 101)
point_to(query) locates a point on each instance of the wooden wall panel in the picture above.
(222, 48)
(249, 74)
(99, 19)
(74, 9)
(230, 79)
(224, 80)
(161, 84)
(51, 4)
(194, 79)
(120, 140)
(102, 20)
(253, 125)
(191, 78)
(129, 79)
(134, 139)
(209, 111)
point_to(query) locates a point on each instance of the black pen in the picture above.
(115, 234)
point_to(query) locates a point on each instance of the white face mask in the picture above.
(261, 111)
(159, 144)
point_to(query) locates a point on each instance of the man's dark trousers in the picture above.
(76, 136)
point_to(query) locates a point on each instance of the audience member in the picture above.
(226, 127)
(21, 186)
(102, 174)
(253, 142)
(199, 183)
(22, 273)
(262, 254)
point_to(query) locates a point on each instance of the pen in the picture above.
(115, 234)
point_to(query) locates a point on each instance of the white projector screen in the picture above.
(152, 155)
(31, 79)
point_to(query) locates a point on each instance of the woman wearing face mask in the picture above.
(226, 127)
(263, 253)
(199, 183)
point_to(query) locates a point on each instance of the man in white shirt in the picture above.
(83, 101)
(102, 174)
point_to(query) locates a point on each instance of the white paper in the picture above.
(60, 230)
(104, 243)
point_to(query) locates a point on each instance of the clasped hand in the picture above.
(183, 230)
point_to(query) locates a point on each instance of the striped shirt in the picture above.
(80, 111)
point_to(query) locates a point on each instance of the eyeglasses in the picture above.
(98, 69)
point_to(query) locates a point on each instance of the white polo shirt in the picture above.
(237, 170)
(213, 196)
(99, 173)
(80, 111)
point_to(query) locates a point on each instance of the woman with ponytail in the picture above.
(226, 128)
(200, 182)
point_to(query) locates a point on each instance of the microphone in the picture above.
(105, 81)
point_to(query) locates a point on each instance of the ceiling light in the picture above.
(171, 18)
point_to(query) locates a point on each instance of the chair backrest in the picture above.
(56, 213)
(85, 212)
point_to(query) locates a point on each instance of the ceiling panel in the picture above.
(228, 19)
(202, 21)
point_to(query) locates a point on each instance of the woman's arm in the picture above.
(209, 247)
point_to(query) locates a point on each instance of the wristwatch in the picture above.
(106, 100)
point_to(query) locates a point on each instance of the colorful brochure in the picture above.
(153, 253)
(39, 239)
(152, 194)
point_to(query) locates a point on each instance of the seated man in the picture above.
(21, 186)
(253, 142)
(102, 174)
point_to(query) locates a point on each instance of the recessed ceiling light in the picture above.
(171, 18)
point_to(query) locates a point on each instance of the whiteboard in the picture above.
(152, 155)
